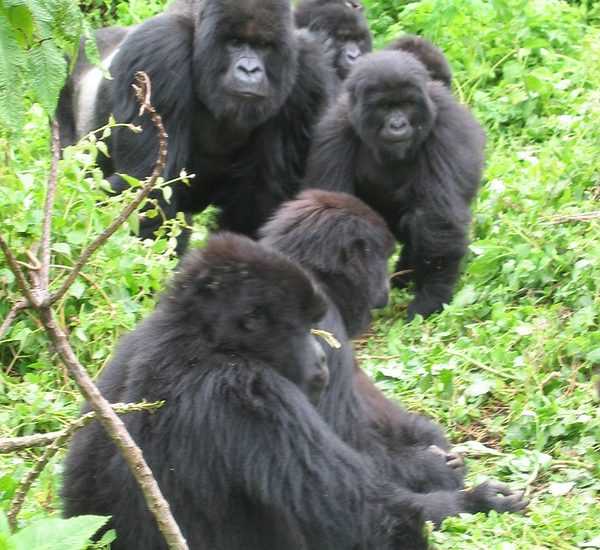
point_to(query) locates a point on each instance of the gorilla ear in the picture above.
(254, 320)
(357, 248)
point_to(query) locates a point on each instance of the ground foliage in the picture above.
(508, 368)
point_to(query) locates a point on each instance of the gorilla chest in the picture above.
(389, 193)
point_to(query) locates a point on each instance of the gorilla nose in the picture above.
(352, 52)
(383, 300)
(249, 70)
(397, 125)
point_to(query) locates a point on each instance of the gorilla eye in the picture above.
(235, 42)
(254, 319)
(264, 44)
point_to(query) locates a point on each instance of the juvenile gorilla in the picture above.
(238, 450)
(341, 22)
(403, 144)
(431, 56)
(238, 92)
(345, 245)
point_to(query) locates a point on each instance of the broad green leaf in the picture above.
(47, 73)
(58, 533)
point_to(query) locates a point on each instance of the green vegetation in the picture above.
(507, 368)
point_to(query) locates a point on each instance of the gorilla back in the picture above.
(238, 449)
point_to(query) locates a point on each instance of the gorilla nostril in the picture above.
(249, 67)
(397, 125)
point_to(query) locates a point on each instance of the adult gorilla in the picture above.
(403, 143)
(240, 453)
(343, 23)
(239, 93)
(345, 245)
(74, 115)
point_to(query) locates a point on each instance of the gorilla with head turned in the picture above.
(239, 90)
(401, 142)
(238, 449)
(345, 245)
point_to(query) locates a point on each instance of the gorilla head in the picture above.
(248, 59)
(344, 243)
(391, 109)
(431, 56)
(221, 292)
(342, 22)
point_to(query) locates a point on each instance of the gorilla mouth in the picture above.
(249, 94)
(397, 139)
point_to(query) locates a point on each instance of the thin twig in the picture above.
(48, 207)
(142, 80)
(111, 422)
(11, 444)
(54, 445)
(12, 314)
(483, 366)
(583, 217)
(20, 276)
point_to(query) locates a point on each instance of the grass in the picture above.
(507, 368)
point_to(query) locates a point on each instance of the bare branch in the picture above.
(163, 137)
(38, 298)
(48, 207)
(583, 217)
(14, 267)
(12, 314)
(55, 441)
(12, 444)
(115, 427)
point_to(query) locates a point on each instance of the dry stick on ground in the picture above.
(39, 299)
(583, 217)
(55, 441)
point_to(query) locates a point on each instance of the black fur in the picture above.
(404, 144)
(238, 450)
(345, 245)
(108, 40)
(343, 24)
(244, 134)
(431, 56)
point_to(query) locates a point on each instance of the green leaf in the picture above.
(58, 533)
(47, 72)
(12, 62)
(533, 83)
(90, 46)
(22, 22)
(68, 21)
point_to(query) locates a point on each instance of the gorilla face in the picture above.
(345, 25)
(351, 40)
(391, 110)
(245, 59)
(343, 243)
(222, 291)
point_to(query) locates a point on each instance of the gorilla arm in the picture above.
(162, 48)
(332, 159)
(282, 455)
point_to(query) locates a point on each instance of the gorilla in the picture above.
(345, 246)
(431, 56)
(83, 82)
(402, 143)
(239, 91)
(238, 449)
(343, 24)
